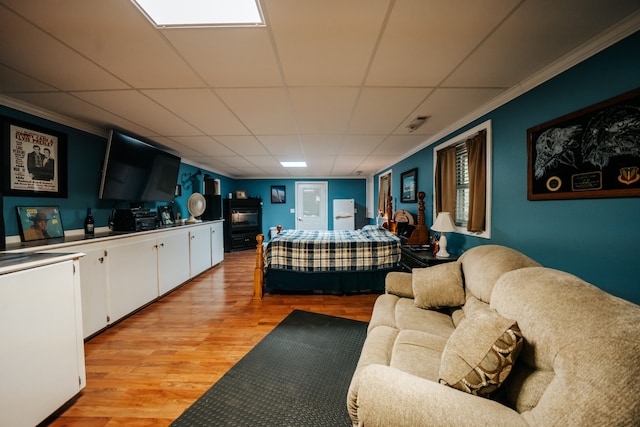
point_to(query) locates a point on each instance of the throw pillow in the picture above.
(438, 286)
(480, 353)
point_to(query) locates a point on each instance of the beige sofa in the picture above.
(531, 346)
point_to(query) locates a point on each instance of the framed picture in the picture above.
(591, 153)
(278, 194)
(166, 215)
(39, 222)
(408, 186)
(34, 160)
(241, 194)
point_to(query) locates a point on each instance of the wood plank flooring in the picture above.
(149, 368)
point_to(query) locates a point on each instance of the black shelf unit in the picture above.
(242, 223)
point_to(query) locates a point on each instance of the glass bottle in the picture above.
(89, 224)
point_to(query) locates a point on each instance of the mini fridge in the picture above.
(344, 214)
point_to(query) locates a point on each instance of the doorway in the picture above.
(311, 206)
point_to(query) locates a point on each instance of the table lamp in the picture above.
(443, 223)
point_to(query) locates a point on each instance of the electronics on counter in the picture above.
(133, 220)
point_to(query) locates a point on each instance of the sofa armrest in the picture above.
(399, 283)
(388, 396)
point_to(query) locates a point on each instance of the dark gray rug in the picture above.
(298, 375)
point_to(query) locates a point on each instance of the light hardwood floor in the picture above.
(149, 368)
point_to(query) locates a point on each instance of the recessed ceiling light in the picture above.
(294, 164)
(201, 13)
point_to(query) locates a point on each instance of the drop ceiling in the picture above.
(335, 83)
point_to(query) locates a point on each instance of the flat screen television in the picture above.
(136, 171)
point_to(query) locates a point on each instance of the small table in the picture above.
(420, 256)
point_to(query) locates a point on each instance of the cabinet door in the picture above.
(42, 358)
(173, 260)
(93, 285)
(199, 249)
(94, 289)
(133, 276)
(217, 243)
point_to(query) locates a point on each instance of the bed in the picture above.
(334, 262)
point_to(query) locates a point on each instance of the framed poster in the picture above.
(278, 194)
(34, 160)
(39, 222)
(591, 153)
(166, 215)
(408, 186)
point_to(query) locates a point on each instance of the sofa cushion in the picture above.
(438, 286)
(483, 265)
(418, 353)
(480, 353)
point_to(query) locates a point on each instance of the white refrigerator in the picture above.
(344, 217)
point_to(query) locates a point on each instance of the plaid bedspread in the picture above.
(370, 248)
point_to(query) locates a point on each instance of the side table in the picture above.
(419, 256)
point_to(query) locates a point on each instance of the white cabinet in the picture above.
(93, 273)
(200, 249)
(217, 243)
(133, 275)
(173, 260)
(42, 356)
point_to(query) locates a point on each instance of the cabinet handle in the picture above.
(101, 259)
(161, 245)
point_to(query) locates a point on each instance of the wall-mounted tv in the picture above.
(136, 171)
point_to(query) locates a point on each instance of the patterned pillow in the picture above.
(480, 353)
(438, 286)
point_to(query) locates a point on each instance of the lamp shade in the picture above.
(443, 222)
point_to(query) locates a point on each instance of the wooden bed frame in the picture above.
(419, 236)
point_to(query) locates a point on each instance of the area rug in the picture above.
(298, 375)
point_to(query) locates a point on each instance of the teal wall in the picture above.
(595, 239)
(274, 214)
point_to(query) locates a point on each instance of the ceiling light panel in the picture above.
(201, 13)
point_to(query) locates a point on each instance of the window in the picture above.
(462, 185)
(462, 180)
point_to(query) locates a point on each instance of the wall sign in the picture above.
(34, 160)
(591, 153)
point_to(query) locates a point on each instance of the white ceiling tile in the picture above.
(360, 144)
(381, 110)
(325, 42)
(323, 110)
(320, 144)
(397, 145)
(229, 57)
(243, 145)
(419, 31)
(265, 111)
(279, 145)
(134, 106)
(204, 145)
(201, 108)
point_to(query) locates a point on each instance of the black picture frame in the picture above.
(409, 186)
(278, 194)
(34, 160)
(29, 218)
(165, 213)
(590, 153)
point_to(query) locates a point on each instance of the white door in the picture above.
(311, 206)
(344, 214)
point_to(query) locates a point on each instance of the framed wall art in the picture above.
(166, 215)
(408, 186)
(34, 160)
(39, 222)
(278, 194)
(591, 153)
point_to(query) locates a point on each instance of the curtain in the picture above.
(477, 157)
(383, 194)
(445, 181)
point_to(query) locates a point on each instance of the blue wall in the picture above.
(595, 239)
(279, 213)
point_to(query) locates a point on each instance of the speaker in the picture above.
(213, 210)
(210, 187)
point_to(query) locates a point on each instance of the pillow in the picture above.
(438, 286)
(480, 353)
